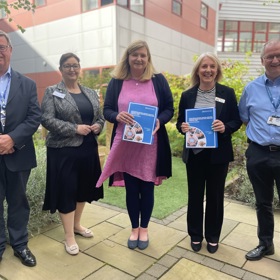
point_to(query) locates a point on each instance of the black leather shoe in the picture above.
(212, 248)
(196, 246)
(259, 252)
(26, 257)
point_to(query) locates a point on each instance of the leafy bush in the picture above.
(36, 190)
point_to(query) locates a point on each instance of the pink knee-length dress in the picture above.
(136, 159)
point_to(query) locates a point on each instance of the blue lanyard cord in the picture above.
(4, 95)
(271, 99)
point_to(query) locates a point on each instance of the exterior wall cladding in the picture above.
(252, 11)
(100, 36)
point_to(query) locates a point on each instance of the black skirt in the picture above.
(72, 173)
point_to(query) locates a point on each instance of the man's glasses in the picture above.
(69, 66)
(3, 48)
(271, 57)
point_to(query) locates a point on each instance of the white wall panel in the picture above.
(252, 10)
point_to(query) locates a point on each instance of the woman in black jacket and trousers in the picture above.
(207, 168)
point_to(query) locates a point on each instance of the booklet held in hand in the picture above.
(201, 134)
(141, 130)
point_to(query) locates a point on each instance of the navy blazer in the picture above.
(226, 112)
(23, 117)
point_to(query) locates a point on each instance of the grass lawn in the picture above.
(169, 197)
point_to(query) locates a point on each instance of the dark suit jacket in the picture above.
(227, 112)
(23, 116)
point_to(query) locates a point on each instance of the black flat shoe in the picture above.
(212, 248)
(26, 257)
(142, 245)
(132, 244)
(196, 246)
(259, 252)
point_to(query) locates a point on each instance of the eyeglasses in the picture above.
(69, 66)
(271, 57)
(3, 48)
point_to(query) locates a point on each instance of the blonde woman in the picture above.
(136, 166)
(207, 168)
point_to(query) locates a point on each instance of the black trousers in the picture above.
(13, 189)
(205, 178)
(139, 200)
(263, 167)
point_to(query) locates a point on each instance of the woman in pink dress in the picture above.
(138, 167)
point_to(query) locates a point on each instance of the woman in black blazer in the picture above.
(207, 168)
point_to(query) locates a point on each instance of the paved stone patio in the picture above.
(168, 256)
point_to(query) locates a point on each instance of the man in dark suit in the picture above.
(20, 118)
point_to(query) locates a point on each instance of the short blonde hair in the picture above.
(194, 74)
(122, 69)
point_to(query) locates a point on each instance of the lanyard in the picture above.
(3, 102)
(3, 97)
(271, 99)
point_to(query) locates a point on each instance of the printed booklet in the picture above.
(200, 134)
(141, 130)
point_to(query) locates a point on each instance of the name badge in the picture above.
(274, 120)
(59, 94)
(221, 100)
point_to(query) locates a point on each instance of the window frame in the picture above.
(129, 6)
(179, 4)
(41, 5)
(203, 17)
(98, 5)
(258, 36)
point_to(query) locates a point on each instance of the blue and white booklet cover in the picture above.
(141, 130)
(200, 134)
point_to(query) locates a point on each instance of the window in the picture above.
(177, 7)
(88, 5)
(204, 16)
(2, 13)
(244, 36)
(137, 6)
(123, 3)
(39, 3)
(106, 2)
(134, 5)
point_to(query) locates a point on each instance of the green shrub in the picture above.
(176, 139)
(36, 191)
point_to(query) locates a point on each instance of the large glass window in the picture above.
(177, 7)
(244, 36)
(204, 16)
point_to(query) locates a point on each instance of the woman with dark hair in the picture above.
(137, 166)
(207, 168)
(72, 115)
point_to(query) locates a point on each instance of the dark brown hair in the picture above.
(66, 56)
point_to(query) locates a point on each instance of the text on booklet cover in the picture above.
(144, 123)
(200, 134)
